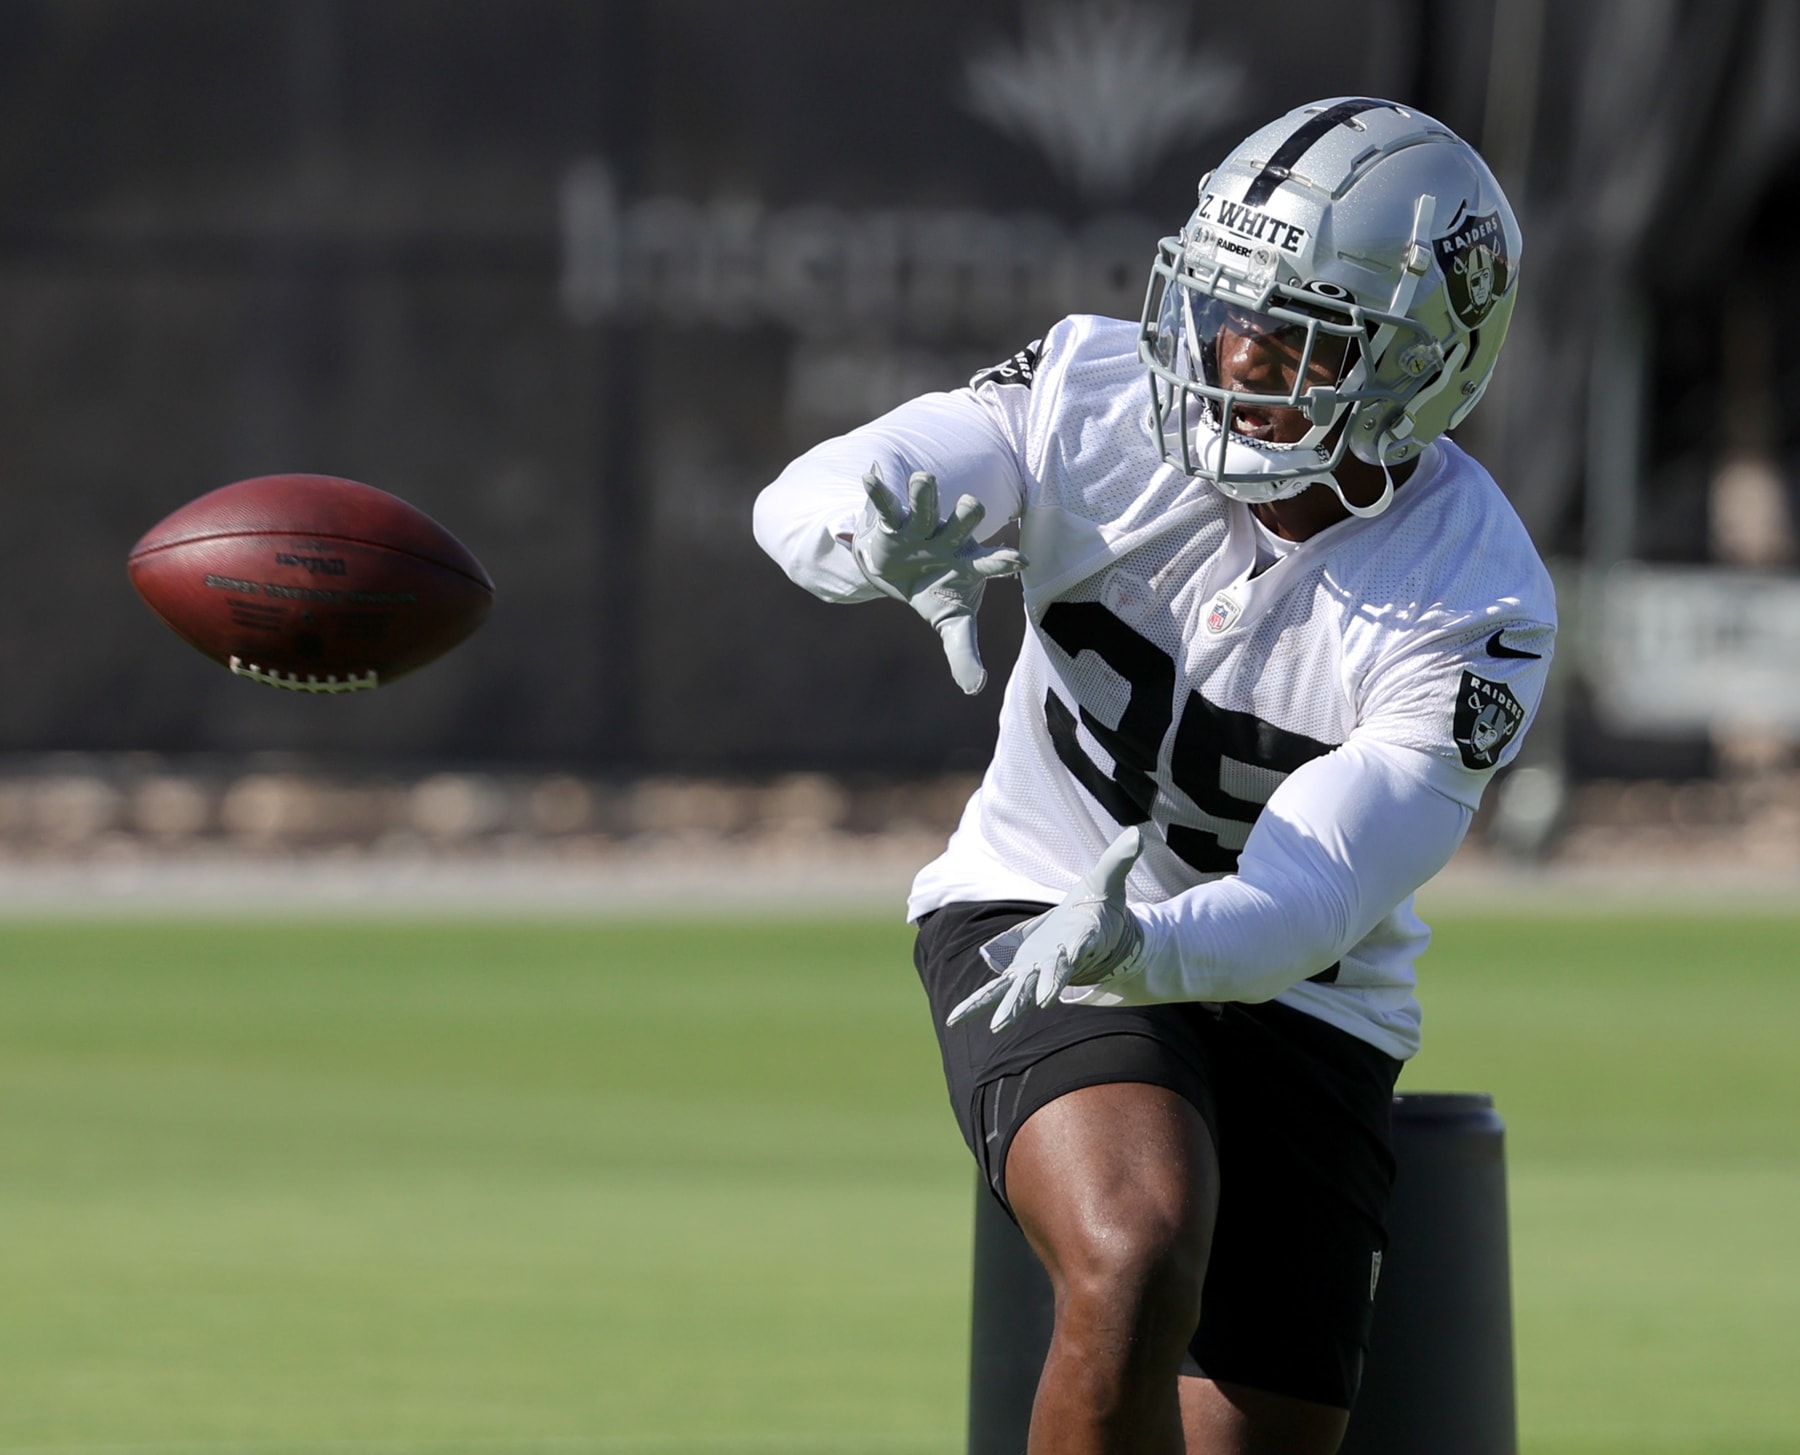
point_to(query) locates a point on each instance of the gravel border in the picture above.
(835, 875)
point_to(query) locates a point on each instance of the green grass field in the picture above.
(693, 1189)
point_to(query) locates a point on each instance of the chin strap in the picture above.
(1366, 512)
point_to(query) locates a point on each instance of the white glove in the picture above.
(935, 567)
(1089, 936)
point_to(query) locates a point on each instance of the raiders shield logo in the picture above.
(1477, 267)
(1488, 717)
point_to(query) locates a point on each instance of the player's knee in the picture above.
(1145, 1265)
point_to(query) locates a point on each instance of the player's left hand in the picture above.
(1088, 937)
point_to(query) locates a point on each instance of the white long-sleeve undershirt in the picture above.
(1341, 842)
(803, 518)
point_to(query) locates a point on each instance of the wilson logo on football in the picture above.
(314, 565)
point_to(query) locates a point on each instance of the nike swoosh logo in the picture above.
(1498, 648)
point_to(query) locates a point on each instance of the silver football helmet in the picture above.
(1368, 251)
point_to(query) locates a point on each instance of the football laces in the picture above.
(294, 682)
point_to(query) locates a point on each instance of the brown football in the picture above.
(311, 583)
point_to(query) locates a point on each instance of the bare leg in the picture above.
(1115, 1187)
(1233, 1419)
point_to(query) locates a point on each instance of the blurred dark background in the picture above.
(578, 277)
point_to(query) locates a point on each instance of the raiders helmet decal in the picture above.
(1476, 267)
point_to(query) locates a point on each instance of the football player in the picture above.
(1281, 633)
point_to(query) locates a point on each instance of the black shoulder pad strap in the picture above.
(1021, 368)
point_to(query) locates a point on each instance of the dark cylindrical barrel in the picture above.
(1440, 1370)
(1013, 1311)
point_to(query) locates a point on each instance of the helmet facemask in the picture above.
(1261, 386)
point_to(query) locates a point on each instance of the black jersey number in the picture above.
(1226, 762)
(1129, 791)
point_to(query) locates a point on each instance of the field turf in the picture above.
(691, 1189)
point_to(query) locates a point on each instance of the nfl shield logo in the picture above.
(1224, 611)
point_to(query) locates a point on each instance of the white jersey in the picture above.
(1303, 729)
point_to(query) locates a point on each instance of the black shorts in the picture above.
(1298, 1112)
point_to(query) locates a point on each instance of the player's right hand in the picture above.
(936, 567)
(1091, 936)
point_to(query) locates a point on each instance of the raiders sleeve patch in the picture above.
(1488, 717)
(1021, 368)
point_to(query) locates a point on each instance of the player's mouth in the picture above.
(1256, 424)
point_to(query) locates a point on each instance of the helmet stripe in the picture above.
(1275, 170)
